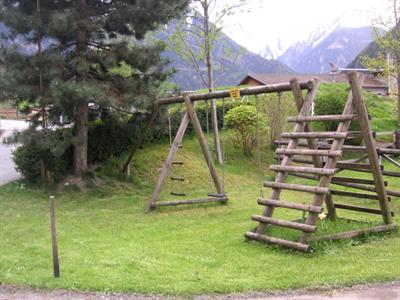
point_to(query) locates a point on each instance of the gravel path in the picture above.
(383, 291)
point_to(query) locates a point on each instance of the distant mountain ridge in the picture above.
(236, 67)
(336, 45)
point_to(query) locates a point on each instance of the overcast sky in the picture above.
(289, 21)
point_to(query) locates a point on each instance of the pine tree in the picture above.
(85, 45)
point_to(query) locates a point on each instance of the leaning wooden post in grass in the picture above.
(298, 97)
(168, 162)
(362, 112)
(54, 246)
(203, 144)
(299, 127)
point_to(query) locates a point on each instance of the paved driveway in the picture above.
(7, 167)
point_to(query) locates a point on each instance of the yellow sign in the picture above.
(234, 93)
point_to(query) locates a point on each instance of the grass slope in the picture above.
(108, 243)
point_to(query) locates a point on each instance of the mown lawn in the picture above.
(108, 243)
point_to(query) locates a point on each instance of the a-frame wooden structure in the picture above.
(324, 167)
(191, 116)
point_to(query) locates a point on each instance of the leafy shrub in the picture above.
(243, 119)
(43, 156)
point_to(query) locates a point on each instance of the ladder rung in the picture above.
(354, 195)
(291, 205)
(322, 134)
(308, 170)
(177, 178)
(360, 209)
(283, 223)
(309, 152)
(322, 118)
(178, 163)
(297, 187)
(284, 243)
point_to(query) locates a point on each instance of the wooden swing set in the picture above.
(301, 142)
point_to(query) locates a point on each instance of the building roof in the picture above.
(265, 79)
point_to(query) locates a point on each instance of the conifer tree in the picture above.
(85, 44)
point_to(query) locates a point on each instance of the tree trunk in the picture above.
(81, 134)
(81, 117)
(214, 117)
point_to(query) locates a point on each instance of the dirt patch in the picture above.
(382, 291)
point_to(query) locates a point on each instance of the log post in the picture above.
(54, 246)
(203, 144)
(397, 139)
(362, 112)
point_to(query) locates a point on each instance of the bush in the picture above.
(243, 119)
(44, 156)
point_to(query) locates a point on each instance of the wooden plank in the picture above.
(269, 239)
(397, 164)
(322, 118)
(354, 195)
(308, 170)
(284, 223)
(359, 208)
(190, 201)
(203, 144)
(298, 127)
(54, 245)
(168, 162)
(290, 205)
(371, 148)
(315, 134)
(264, 89)
(354, 233)
(389, 151)
(311, 152)
(297, 187)
(354, 180)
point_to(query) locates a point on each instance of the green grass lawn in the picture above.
(108, 243)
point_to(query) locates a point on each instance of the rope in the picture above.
(260, 171)
(223, 152)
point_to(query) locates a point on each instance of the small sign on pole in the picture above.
(54, 247)
(234, 93)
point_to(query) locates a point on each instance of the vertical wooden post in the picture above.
(168, 162)
(54, 246)
(396, 139)
(203, 144)
(362, 112)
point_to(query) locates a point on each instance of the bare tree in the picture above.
(194, 40)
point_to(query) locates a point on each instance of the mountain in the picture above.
(335, 45)
(372, 50)
(232, 63)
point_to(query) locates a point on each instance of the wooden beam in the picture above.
(290, 205)
(360, 209)
(369, 141)
(270, 239)
(271, 88)
(191, 201)
(354, 233)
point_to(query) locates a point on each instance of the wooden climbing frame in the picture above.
(323, 168)
(191, 116)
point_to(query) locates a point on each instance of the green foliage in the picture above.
(44, 156)
(247, 125)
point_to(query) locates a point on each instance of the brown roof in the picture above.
(324, 78)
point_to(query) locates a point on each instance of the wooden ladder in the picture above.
(322, 169)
